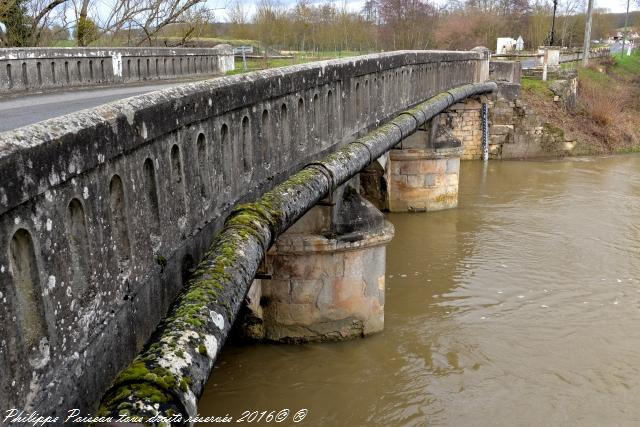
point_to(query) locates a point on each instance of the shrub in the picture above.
(601, 103)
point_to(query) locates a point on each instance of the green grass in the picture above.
(629, 65)
(254, 64)
(536, 86)
(595, 76)
(214, 41)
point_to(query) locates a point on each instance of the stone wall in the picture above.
(465, 121)
(576, 54)
(104, 212)
(556, 55)
(423, 180)
(29, 69)
(515, 130)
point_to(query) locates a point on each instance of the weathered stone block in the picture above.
(451, 180)
(453, 165)
(279, 290)
(416, 181)
(306, 291)
(436, 166)
(500, 130)
(498, 139)
(410, 167)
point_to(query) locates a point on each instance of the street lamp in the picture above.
(553, 23)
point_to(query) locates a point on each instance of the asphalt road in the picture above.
(20, 111)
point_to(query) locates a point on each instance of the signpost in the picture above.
(243, 50)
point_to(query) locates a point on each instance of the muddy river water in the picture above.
(519, 308)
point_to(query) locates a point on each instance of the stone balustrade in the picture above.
(37, 69)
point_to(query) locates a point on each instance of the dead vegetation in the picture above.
(607, 116)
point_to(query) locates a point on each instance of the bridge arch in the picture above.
(9, 76)
(315, 111)
(331, 114)
(78, 238)
(285, 127)
(227, 156)
(119, 215)
(245, 143)
(301, 125)
(177, 181)
(201, 150)
(29, 308)
(151, 196)
(266, 138)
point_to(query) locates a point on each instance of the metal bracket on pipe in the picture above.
(320, 167)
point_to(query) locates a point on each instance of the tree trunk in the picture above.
(82, 26)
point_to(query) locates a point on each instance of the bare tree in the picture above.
(407, 24)
(141, 20)
(239, 20)
(24, 20)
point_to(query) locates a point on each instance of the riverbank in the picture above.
(606, 117)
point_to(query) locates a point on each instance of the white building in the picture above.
(505, 45)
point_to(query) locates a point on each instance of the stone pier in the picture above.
(324, 279)
(423, 174)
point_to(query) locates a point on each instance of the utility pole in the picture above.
(587, 35)
(626, 22)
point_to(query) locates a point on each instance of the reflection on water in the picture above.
(521, 307)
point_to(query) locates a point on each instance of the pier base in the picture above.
(423, 177)
(324, 278)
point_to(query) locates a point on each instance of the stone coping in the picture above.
(14, 53)
(291, 244)
(425, 153)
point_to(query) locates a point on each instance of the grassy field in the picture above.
(536, 86)
(628, 65)
(254, 64)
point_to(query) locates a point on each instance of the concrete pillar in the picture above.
(324, 278)
(423, 174)
(483, 66)
(550, 57)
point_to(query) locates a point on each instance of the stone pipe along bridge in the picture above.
(134, 234)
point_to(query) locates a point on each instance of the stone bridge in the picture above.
(105, 214)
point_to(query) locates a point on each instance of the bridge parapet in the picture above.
(103, 212)
(29, 69)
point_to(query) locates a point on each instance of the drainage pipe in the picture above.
(163, 382)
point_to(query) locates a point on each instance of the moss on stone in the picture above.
(554, 131)
(202, 349)
(447, 198)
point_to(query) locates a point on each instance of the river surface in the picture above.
(519, 308)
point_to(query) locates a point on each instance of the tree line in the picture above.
(303, 26)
